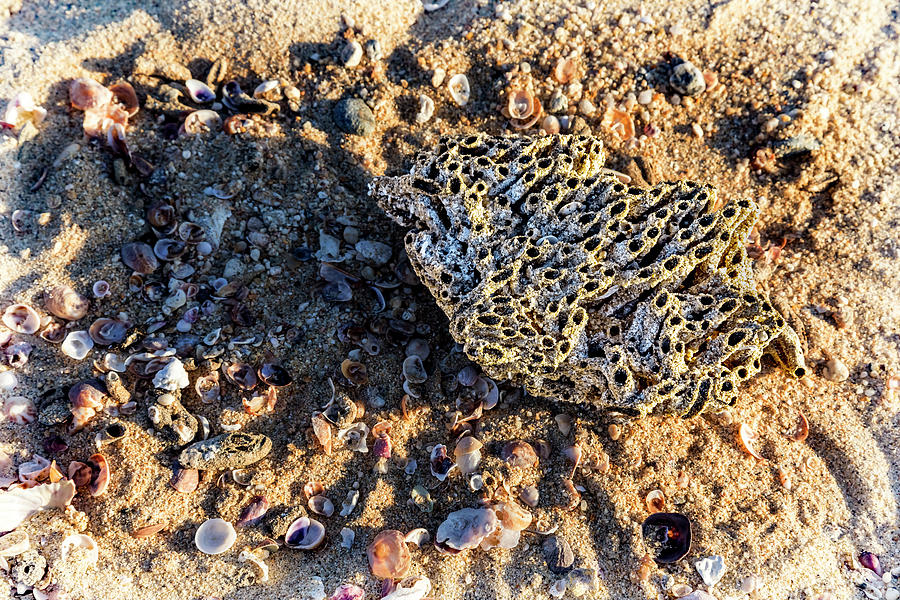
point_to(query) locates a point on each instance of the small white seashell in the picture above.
(347, 537)
(261, 567)
(77, 345)
(21, 318)
(411, 588)
(83, 545)
(459, 89)
(349, 503)
(433, 6)
(321, 506)
(419, 537)
(354, 437)
(215, 536)
(202, 120)
(351, 54)
(14, 543)
(100, 289)
(199, 91)
(114, 362)
(8, 381)
(171, 377)
(265, 88)
(711, 569)
(19, 504)
(426, 109)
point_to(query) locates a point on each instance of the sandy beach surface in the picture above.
(822, 75)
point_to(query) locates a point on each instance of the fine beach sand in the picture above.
(796, 520)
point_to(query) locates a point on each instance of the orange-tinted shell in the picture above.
(85, 94)
(389, 558)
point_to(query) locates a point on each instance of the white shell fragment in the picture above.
(433, 6)
(199, 91)
(411, 588)
(459, 89)
(347, 537)
(426, 109)
(81, 545)
(21, 318)
(711, 569)
(265, 88)
(19, 504)
(8, 381)
(215, 536)
(77, 345)
(171, 377)
(14, 544)
(261, 567)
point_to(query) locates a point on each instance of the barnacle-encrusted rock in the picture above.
(557, 276)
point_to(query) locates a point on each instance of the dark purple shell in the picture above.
(667, 536)
(253, 512)
(871, 562)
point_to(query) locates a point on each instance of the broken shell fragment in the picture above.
(440, 462)
(274, 375)
(99, 475)
(199, 91)
(465, 529)
(619, 122)
(802, 431)
(354, 437)
(100, 289)
(253, 512)
(185, 480)
(468, 454)
(322, 431)
(304, 534)
(81, 545)
(77, 345)
(85, 94)
(14, 543)
(66, 303)
(215, 536)
(426, 109)
(226, 451)
(207, 387)
(126, 96)
(667, 536)
(459, 89)
(19, 504)
(519, 454)
(321, 505)
(414, 370)
(746, 436)
(21, 318)
(105, 331)
(242, 375)
(313, 488)
(389, 557)
(139, 257)
(565, 70)
(656, 501)
(201, 121)
(354, 371)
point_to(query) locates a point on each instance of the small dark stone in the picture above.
(353, 116)
(687, 79)
(558, 554)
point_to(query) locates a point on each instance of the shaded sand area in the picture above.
(295, 188)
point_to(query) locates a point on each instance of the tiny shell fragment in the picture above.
(747, 436)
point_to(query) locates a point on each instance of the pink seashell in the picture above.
(85, 94)
(36, 469)
(747, 436)
(99, 474)
(348, 591)
(19, 409)
(21, 318)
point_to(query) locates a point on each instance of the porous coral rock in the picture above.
(557, 276)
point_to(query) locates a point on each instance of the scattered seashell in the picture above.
(667, 536)
(14, 543)
(519, 104)
(53, 333)
(100, 289)
(80, 544)
(529, 495)
(440, 462)
(77, 345)
(267, 89)
(558, 554)
(711, 569)
(313, 488)
(207, 387)
(349, 503)
(414, 370)
(215, 536)
(35, 469)
(411, 588)
(99, 475)
(148, 530)
(85, 94)
(66, 303)
(105, 331)
(199, 91)
(468, 454)
(139, 257)
(172, 376)
(274, 375)
(459, 89)
(202, 121)
(465, 529)
(19, 504)
(656, 501)
(21, 318)
(262, 570)
(563, 423)
(550, 125)
(835, 370)
(347, 537)
(22, 110)
(241, 374)
(354, 437)
(519, 454)
(619, 123)
(351, 54)
(354, 371)
(421, 497)
(746, 436)
(429, 6)
(184, 480)
(467, 376)
(389, 557)
(321, 505)
(426, 109)
(802, 431)
(322, 431)
(565, 70)
(871, 561)
(8, 381)
(304, 534)
(253, 513)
